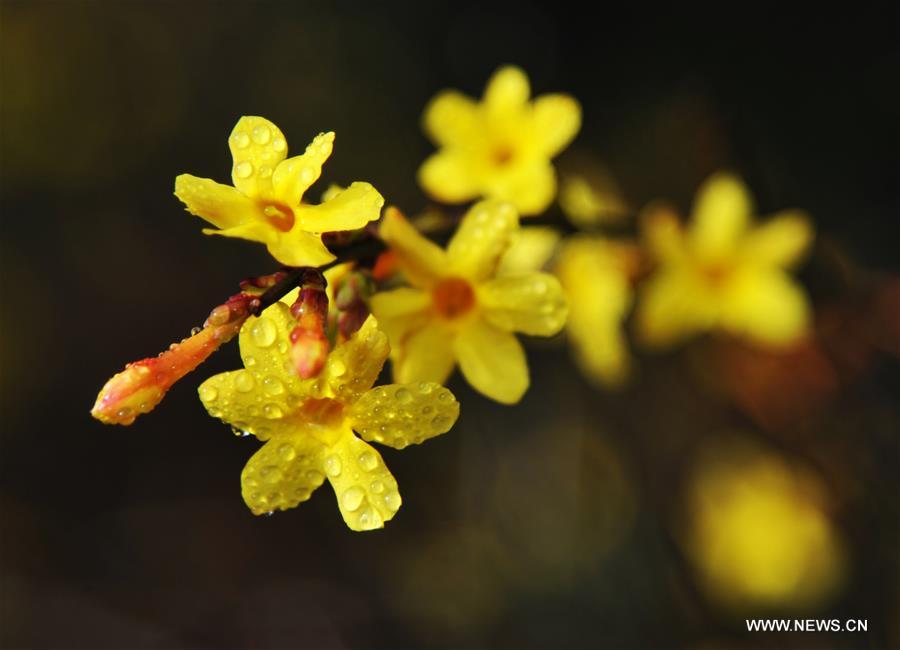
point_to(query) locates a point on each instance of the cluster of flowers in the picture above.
(363, 283)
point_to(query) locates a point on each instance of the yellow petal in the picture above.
(531, 303)
(483, 236)
(241, 398)
(672, 307)
(299, 248)
(766, 305)
(507, 90)
(720, 216)
(399, 311)
(530, 187)
(283, 473)
(451, 118)
(663, 233)
(254, 230)
(292, 177)
(221, 205)
(449, 176)
(366, 491)
(531, 249)
(780, 241)
(349, 209)
(492, 361)
(557, 119)
(422, 260)
(257, 146)
(353, 366)
(264, 343)
(425, 354)
(404, 414)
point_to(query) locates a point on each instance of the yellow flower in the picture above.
(309, 425)
(595, 276)
(500, 148)
(459, 311)
(722, 272)
(758, 533)
(265, 203)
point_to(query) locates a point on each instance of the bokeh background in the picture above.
(570, 520)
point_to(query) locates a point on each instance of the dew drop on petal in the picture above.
(273, 411)
(244, 381)
(263, 332)
(367, 461)
(333, 466)
(272, 385)
(243, 170)
(440, 423)
(403, 396)
(208, 393)
(392, 501)
(352, 499)
(241, 140)
(279, 144)
(377, 487)
(287, 452)
(261, 134)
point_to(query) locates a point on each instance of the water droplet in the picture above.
(273, 411)
(283, 348)
(353, 499)
(244, 381)
(250, 361)
(196, 330)
(240, 139)
(440, 423)
(368, 461)
(287, 452)
(333, 466)
(261, 134)
(337, 367)
(270, 474)
(268, 513)
(377, 487)
(445, 396)
(426, 410)
(307, 175)
(265, 171)
(208, 393)
(272, 385)
(313, 476)
(403, 396)
(279, 144)
(243, 170)
(263, 332)
(392, 501)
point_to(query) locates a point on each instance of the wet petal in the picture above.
(295, 175)
(531, 303)
(257, 146)
(492, 361)
(241, 399)
(422, 260)
(221, 205)
(299, 248)
(483, 237)
(403, 414)
(365, 489)
(349, 209)
(283, 473)
(264, 343)
(353, 366)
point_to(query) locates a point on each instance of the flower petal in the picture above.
(484, 235)
(299, 248)
(531, 303)
(492, 361)
(366, 491)
(531, 249)
(257, 146)
(720, 216)
(451, 118)
(780, 241)
(349, 209)
(425, 354)
(530, 186)
(507, 90)
(557, 119)
(283, 473)
(221, 205)
(295, 175)
(673, 306)
(399, 311)
(353, 366)
(421, 259)
(449, 176)
(239, 398)
(264, 342)
(258, 231)
(766, 305)
(403, 414)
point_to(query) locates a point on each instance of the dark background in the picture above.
(542, 525)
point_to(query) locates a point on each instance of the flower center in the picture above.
(501, 155)
(279, 215)
(322, 412)
(716, 275)
(453, 297)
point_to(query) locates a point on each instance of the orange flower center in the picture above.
(323, 412)
(501, 155)
(453, 297)
(279, 215)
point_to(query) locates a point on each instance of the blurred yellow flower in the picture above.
(309, 424)
(500, 148)
(265, 203)
(758, 533)
(596, 276)
(722, 272)
(459, 310)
